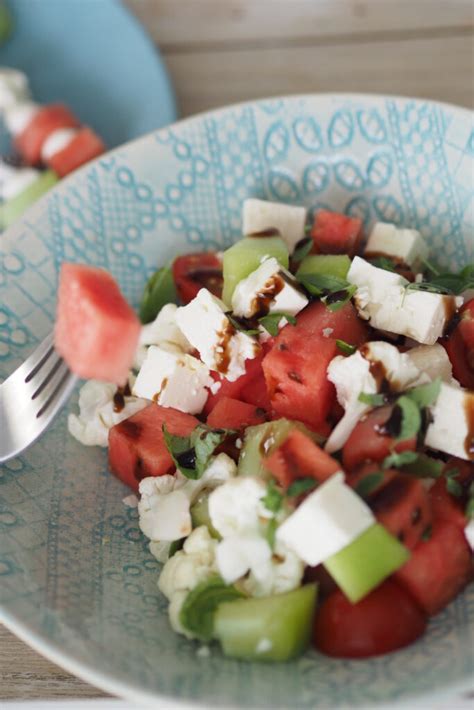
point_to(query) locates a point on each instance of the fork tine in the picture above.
(47, 390)
(32, 365)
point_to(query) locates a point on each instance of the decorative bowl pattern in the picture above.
(76, 578)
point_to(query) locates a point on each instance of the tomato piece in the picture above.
(466, 325)
(367, 443)
(48, 119)
(438, 569)
(253, 369)
(299, 457)
(335, 233)
(137, 448)
(232, 414)
(192, 272)
(296, 375)
(85, 146)
(344, 324)
(385, 620)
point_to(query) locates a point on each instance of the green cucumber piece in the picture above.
(330, 264)
(366, 562)
(245, 256)
(197, 612)
(159, 291)
(6, 23)
(13, 209)
(275, 628)
(200, 515)
(261, 440)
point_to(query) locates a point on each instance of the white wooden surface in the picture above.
(222, 51)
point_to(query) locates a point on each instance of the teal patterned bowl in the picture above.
(76, 579)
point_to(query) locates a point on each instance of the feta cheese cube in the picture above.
(173, 380)
(452, 428)
(163, 331)
(406, 245)
(14, 87)
(259, 215)
(383, 299)
(365, 371)
(326, 522)
(205, 324)
(432, 361)
(269, 289)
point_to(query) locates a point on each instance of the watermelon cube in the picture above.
(299, 457)
(233, 414)
(85, 146)
(137, 448)
(96, 330)
(48, 119)
(335, 233)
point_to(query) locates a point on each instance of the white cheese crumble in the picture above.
(450, 428)
(407, 245)
(289, 220)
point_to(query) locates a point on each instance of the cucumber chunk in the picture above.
(6, 23)
(14, 208)
(330, 264)
(275, 628)
(261, 440)
(366, 562)
(245, 256)
(197, 612)
(200, 515)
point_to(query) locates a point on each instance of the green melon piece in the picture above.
(13, 209)
(330, 264)
(6, 23)
(366, 562)
(261, 440)
(200, 515)
(275, 628)
(245, 256)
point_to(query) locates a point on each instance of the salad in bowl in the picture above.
(296, 416)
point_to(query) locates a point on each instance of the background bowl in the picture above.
(76, 579)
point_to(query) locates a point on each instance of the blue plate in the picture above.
(94, 56)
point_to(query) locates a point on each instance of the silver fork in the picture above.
(31, 397)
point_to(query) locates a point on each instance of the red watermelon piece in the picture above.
(335, 233)
(137, 448)
(48, 119)
(233, 414)
(85, 146)
(344, 324)
(299, 457)
(96, 330)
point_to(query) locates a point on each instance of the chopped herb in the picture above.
(373, 400)
(308, 228)
(322, 284)
(192, 454)
(428, 288)
(430, 266)
(271, 322)
(426, 534)
(452, 473)
(159, 291)
(270, 532)
(383, 262)
(176, 546)
(454, 487)
(345, 348)
(425, 395)
(368, 484)
(273, 498)
(335, 304)
(303, 248)
(411, 418)
(300, 486)
(395, 460)
(446, 283)
(470, 503)
(422, 467)
(238, 325)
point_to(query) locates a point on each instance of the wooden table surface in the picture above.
(223, 51)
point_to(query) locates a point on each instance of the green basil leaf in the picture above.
(423, 466)
(383, 262)
(303, 248)
(425, 395)
(432, 268)
(345, 348)
(270, 532)
(271, 322)
(176, 546)
(273, 498)
(335, 304)
(428, 287)
(159, 291)
(240, 325)
(320, 284)
(300, 486)
(470, 503)
(181, 449)
(198, 609)
(368, 484)
(373, 400)
(454, 487)
(411, 418)
(205, 442)
(452, 473)
(395, 460)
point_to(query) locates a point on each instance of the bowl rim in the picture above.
(105, 679)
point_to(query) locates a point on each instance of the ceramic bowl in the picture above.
(77, 581)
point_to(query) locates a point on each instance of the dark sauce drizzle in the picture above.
(119, 397)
